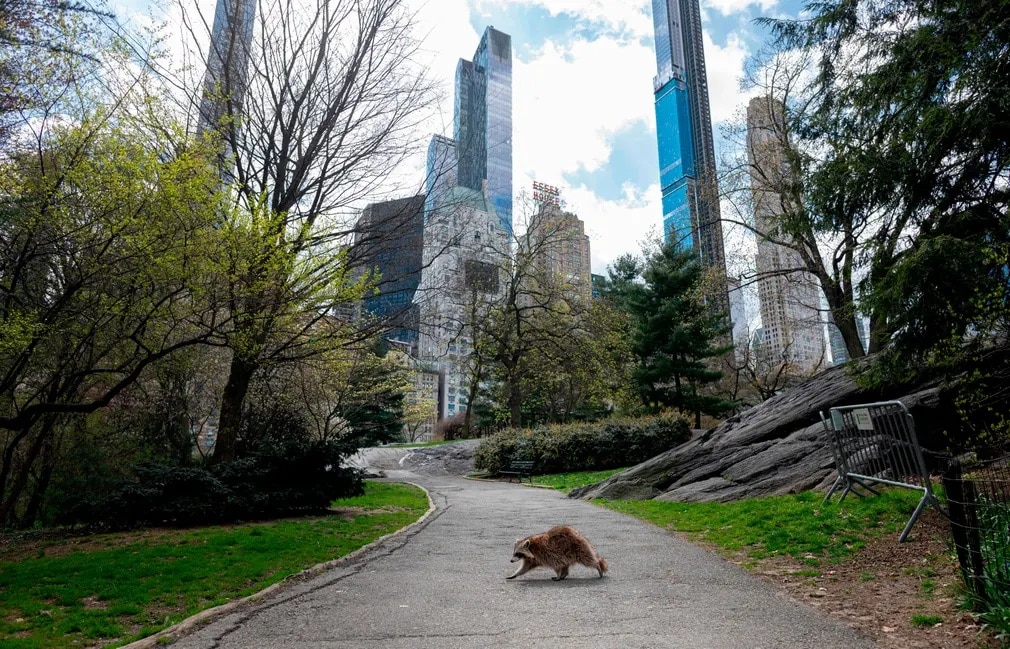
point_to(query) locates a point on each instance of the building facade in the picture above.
(480, 150)
(388, 242)
(463, 256)
(839, 352)
(226, 77)
(687, 177)
(560, 248)
(738, 318)
(441, 171)
(789, 296)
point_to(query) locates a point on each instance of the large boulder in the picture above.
(777, 447)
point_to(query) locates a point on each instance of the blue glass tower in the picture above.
(482, 128)
(684, 132)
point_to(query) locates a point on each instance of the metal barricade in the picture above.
(875, 443)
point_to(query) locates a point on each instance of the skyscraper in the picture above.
(684, 132)
(790, 297)
(226, 77)
(388, 241)
(463, 246)
(560, 247)
(441, 173)
(482, 128)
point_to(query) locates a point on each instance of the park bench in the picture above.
(519, 469)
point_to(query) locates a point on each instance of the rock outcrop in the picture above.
(776, 447)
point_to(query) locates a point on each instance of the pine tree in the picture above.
(676, 332)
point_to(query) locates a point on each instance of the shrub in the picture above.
(279, 478)
(451, 428)
(583, 446)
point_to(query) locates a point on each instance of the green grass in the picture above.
(568, 481)
(797, 525)
(926, 620)
(110, 589)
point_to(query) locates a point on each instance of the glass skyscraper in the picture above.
(227, 60)
(388, 240)
(684, 132)
(482, 128)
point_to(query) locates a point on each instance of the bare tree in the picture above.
(541, 307)
(773, 190)
(329, 104)
(496, 303)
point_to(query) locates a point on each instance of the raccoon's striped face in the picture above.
(521, 551)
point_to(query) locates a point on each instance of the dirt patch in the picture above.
(880, 589)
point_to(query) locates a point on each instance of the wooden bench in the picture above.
(519, 469)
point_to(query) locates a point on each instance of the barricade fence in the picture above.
(875, 444)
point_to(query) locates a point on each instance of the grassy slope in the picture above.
(796, 524)
(87, 591)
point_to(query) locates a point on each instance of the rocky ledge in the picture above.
(777, 447)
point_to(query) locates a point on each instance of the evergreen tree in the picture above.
(916, 92)
(675, 333)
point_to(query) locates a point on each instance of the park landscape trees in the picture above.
(105, 227)
(135, 267)
(893, 182)
(327, 106)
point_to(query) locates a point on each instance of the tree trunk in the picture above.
(239, 377)
(515, 405)
(843, 313)
(11, 496)
(39, 490)
(850, 334)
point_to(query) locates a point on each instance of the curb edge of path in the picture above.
(180, 628)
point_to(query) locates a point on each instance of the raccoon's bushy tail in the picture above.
(603, 563)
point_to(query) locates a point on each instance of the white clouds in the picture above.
(568, 103)
(629, 17)
(617, 227)
(570, 99)
(730, 7)
(724, 67)
(447, 36)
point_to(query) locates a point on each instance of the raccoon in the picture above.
(558, 548)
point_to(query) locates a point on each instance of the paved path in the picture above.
(442, 585)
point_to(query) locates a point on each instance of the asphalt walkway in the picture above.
(442, 585)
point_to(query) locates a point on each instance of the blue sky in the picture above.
(582, 98)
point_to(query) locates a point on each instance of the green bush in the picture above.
(278, 478)
(583, 446)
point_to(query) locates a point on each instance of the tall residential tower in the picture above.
(482, 129)
(684, 132)
(790, 296)
(225, 80)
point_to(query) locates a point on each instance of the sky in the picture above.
(583, 110)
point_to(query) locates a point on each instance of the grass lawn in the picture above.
(797, 525)
(111, 589)
(568, 481)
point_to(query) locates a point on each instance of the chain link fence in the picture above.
(978, 497)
